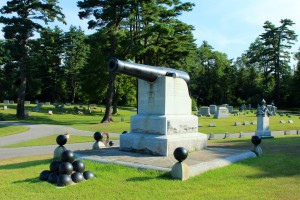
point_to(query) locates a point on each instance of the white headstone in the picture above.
(230, 109)
(4, 107)
(26, 102)
(222, 112)
(6, 101)
(47, 103)
(68, 104)
(11, 102)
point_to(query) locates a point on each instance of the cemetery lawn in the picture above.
(51, 140)
(275, 175)
(91, 122)
(10, 130)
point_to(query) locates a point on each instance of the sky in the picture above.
(229, 26)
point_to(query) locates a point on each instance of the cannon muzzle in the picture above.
(145, 72)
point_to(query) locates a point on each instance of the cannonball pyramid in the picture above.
(65, 170)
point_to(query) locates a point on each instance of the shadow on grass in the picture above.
(165, 176)
(281, 156)
(25, 164)
(29, 180)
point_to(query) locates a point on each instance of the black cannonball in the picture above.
(65, 168)
(256, 140)
(53, 177)
(61, 140)
(180, 154)
(77, 177)
(67, 156)
(124, 132)
(78, 166)
(111, 143)
(54, 165)
(98, 136)
(63, 180)
(44, 175)
(88, 175)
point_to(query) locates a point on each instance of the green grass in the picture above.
(275, 175)
(10, 130)
(91, 122)
(51, 140)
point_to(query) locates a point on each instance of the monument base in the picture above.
(163, 145)
(264, 134)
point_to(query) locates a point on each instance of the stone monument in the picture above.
(213, 109)
(164, 120)
(204, 110)
(263, 124)
(222, 112)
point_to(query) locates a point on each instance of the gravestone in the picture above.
(164, 120)
(222, 112)
(4, 107)
(237, 123)
(204, 110)
(40, 104)
(36, 101)
(27, 102)
(290, 121)
(6, 101)
(47, 103)
(230, 109)
(212, 124)
(282, 121)
(249, 107)
(213, 109)
(241, 135)
(68, 104)
(226, 135)
(200, 125)
(11, 102)
(246, 123)
(211, 136)
(36, 109)
(27, 113)
(263, 124)
(253, 122)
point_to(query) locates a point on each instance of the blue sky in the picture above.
(227, 25)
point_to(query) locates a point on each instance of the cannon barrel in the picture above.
(145, 72)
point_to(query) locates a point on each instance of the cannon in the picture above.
(145, 72)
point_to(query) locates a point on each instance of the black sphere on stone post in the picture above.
(98, 136)
(256, 140)
(61, 140)
(180, 154)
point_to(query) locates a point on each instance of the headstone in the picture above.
(212, 124)
(40, 104)
(291, 121)
(6, 101)
(213, 109)
(226, 135)
(68, 104)
(36, 109)
(263, 124)
(50, 112)
(36, 101)
(122, 119)
(27, 113)
(246, 123)
(204, 110)
(249, 107)
(253, 122)
(282, 121)
(237, 123)
(11, 102)
(222, 112)
(269, 108)
(244, 107)
(26, 102)
(230, 109)
(200, 125)
(211, 136)
(287, 132)
(241, 135)
(47, 103)
(4, 107)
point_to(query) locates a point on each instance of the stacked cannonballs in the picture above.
(64, 169)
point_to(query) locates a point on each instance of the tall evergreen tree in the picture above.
(20, 23)
(277, 41)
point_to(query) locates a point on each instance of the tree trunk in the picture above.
(110, 93)
(115, 103)
(21, 94)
